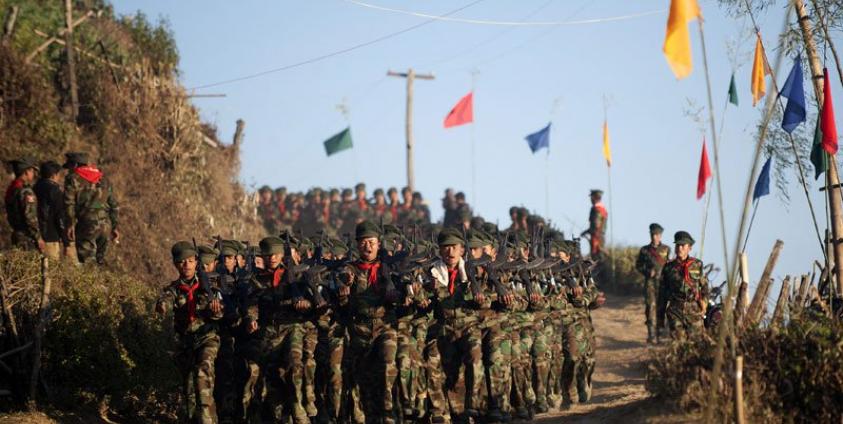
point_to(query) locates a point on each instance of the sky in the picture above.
(523, 77)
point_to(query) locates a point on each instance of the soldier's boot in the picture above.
(651, 334)
(493, 414)
(658, 335)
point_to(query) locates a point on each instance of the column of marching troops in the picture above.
(469, 325)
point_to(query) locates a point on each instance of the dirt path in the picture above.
(618, 386)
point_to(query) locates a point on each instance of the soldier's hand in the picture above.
(535, 298)
(408, 300)
(160, 308)
(652, 273)
(41, 245)
(252, 327)
(508, 299)
(71, 233)
(601, 299)
(480, 298)
(344, 290)
(216, 306)
(578, 291)
(424, 303)
(302, 305)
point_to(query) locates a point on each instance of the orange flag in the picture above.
(677, 41)
(759, 72)
(607, 150)
(462, 113)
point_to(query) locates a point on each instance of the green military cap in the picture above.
(378, 192)
(390, 242)
(346, 192)
(228, 248)
(464, 214)
(596, 192)
(656, 228)
(682, 237)
(182, 250)
(334, 192)
(367, 229)
(389, 229)
(264, 189)
(317, 191)
(360, 187)
(295, 242)
(460, 196)
(306, 244)
(241, 247)
(490, 228)
(449, 237)
(72, 159)
(271, 245)
(281, 190)
(338, 247)
(207, 254)
(477, 238)
(20, 165)
(392, 190)
(560, 246)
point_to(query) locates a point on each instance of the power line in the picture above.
(332, 54)
(508, 23)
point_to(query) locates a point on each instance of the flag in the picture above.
(829, 128)
(733, 91)
(819, 158)
(339, 142)
(462, 113)
(705, 172)
(759, 72)
(539, 139)
(677, 41)
(607, 150)
(794, 112)
(762, 186)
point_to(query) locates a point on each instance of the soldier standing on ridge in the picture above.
(651, 260)
(90, 209)
(22, 206)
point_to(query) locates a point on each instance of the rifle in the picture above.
(203, 276)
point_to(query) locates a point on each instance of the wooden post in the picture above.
(835, 203)
(742, 299)
(756, 308)
(739, 414)
(411, 75)
(71, 59)
(781, 303)
(39, 332)
(238, 132)
(11, 17)
(61, 33)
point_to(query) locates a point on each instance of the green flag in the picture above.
(733, 92)
(818, 156)
(339, 142)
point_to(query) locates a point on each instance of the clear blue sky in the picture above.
(521, 73)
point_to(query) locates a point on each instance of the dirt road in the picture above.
(618, 391)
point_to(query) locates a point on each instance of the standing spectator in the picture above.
(51, 209)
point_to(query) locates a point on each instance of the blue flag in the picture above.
(539, 139)
(794, 112)
(762, 186)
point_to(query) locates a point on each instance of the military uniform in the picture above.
(22, 208)
(683, 293)
(90, 208)
(198, 342)
(651, 259)
(597, 218)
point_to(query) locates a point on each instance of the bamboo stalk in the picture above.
(741, 419)
(781, 303)
(756, 308)
(39, 332)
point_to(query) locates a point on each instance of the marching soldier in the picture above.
(651, 260)
(683, 291)
(90, 209)
(22, 206)
(196, 310)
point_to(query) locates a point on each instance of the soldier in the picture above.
(369, 293)
(50, 208)
(394, 203)
(361, 204)
(267, 209)
(683, 291)
(284, 216)
(597, 219)
(651, 260)
(22, 207)
(275, 306)
(90, 209)
(196, 310)
(208, 258)
(380, 210)
(229, 370)
(449, 205)
(460, 341)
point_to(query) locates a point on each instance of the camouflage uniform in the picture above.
(226, 388)
(332, 339)
(578, 347)
(92, 210)
(651, 260)
(557, 321)
(682, 292)
(198, 344)
(22, 213)
(497, 351)
(373, 343)
(522, 343)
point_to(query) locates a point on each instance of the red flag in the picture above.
(829, 128)
(462, 113)
(705, 172)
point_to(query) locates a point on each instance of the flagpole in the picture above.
(473, 154)
(705, 220)
(749, 228)
(609, 173)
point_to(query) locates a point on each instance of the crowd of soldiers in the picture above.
(404, 323)
(77, 219)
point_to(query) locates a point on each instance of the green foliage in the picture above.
(153, 42)
(618, 272)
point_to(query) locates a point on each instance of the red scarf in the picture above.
(191, 301)
(394, 211)
(276, 276)
(601, 209)
(15, 185)
(685, 265)
(372, 268)
(362, 204)
(654, 252)
(380, 209)
(89, 173)
(452, 279)
(282, 207)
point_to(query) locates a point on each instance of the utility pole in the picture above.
(832, 177)
(71, 59)
(411, 75)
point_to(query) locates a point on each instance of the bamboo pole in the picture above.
(756, 308)
(739, 408)
(781, 303)
(39, 333)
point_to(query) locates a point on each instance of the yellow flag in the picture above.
(607, 151)
(677, 42)
(759, 71)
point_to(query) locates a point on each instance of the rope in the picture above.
(508, 23)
